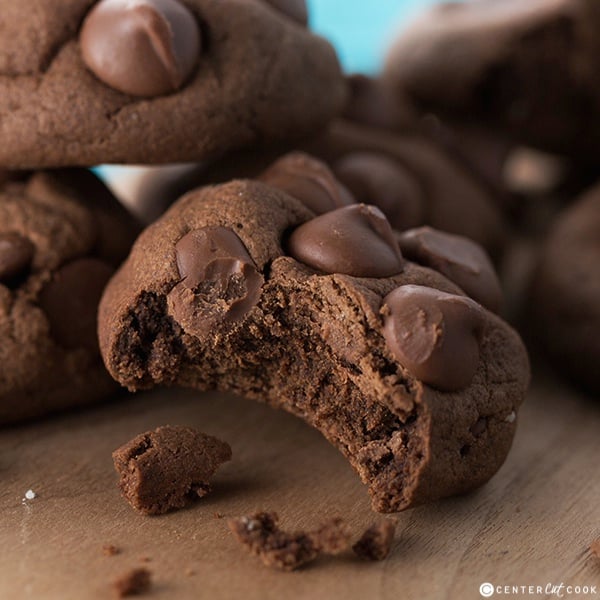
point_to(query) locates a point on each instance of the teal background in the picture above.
(362, 30)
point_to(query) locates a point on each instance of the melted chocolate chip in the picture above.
(141, 47)
(70, 301)
(295, 9)
(219, 281)
(355, 240)
(434, 335)
(377, 179)
(16, 254)
(308, 180)
(462, 261)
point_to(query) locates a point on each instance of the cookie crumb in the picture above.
(110, 550)
(595, 548)
(332, 537)
(376, 542)
(511, 418)
(189, 572)
(218, 515)
(133, 583)
(261, 536)
(29, 495)
(168, 468)
(146, 559)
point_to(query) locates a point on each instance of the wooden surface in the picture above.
(531, 525)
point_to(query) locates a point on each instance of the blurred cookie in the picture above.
(565, 293)
(527, 68)
(62, 235)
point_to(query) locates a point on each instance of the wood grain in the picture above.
(531, 525)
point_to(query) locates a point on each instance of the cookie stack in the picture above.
(321, 261)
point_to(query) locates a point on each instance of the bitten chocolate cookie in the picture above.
(565, 293)
(527, 68)
(241, 287)
(62, 235)
(157, 81)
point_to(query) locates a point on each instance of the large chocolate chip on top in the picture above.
(70, 301)
(219, 283)
(434, 335)
(461, 260)
(355, 240)
(142, 48)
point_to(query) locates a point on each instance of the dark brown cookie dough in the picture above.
(311, 341)
(525, 68)
(257, 76)
(564, 305)
(260, 534)
(62, 235)
(168, 468)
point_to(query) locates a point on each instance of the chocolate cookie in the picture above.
(241, 287)
(565, 293)
(526, 68)
(62, 235)
(157, 81)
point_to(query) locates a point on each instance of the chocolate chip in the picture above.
(141, 48)
(16, 254)
(308, 180)
(219, 281)
(434, 335)
(295, 9)
(355, 240)
(70, 301)
(377, 179)
(462, 261)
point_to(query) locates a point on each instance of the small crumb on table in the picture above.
(133, 583)
(595, 548)
(110, 550)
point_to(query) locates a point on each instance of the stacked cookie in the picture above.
(335, 282)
